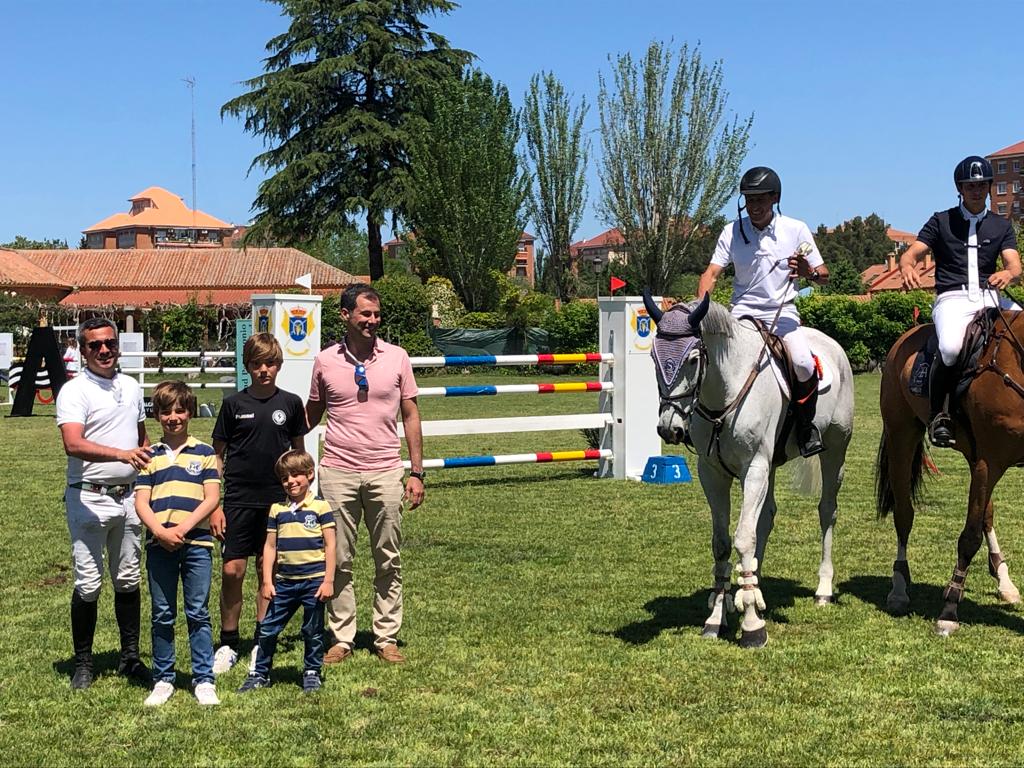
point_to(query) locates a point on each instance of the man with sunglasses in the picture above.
(362, 383)
(102, 422)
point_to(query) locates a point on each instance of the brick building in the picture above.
(1007, 180)
(159, 219)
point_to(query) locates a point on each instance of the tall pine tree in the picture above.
(332, 107)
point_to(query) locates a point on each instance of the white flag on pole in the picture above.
(306, 280)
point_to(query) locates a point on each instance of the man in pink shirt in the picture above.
(363, 383)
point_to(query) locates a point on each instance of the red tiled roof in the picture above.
(252, 269)
(167, 210)
(151, 297)
(1013, 149)
(18, 271)
(890, 280)
(899, 236)
(608, 238)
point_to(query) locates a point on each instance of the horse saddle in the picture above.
(976, 337)
(782, 365)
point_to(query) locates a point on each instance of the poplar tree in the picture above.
(557, 150)
(332, 107)
(670, 161)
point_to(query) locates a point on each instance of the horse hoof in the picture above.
(1011, 598)
(824, 599)
(898, 606)
(713, 631)
(757, 638)
(945, 628)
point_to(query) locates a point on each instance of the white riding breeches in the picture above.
(953, 311)
(97, 522)
(793, 336)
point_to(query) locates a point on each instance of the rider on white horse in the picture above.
(778, 249)
(966, 242)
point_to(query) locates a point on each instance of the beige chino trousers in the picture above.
(377, 497)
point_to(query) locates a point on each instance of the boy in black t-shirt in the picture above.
(254, 427)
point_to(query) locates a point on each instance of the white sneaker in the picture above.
(159, 695)
(224, 659)
(206, 695)
(252, 659)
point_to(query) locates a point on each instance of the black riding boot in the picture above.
(805, 402)
(940, 426)
(83, 628)
(127, 608)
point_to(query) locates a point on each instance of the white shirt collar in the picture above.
(968, 216)
(769, 228)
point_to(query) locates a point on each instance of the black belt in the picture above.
(982, 286)
(105, 490)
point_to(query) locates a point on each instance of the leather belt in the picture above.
(106, 490)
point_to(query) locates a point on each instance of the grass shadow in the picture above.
(675, 612)
(926, 602)
(524, 479)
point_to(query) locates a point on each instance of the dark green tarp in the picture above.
(500, 341)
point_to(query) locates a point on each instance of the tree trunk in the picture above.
(373, 224)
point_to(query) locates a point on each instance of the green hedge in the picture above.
(865, 329)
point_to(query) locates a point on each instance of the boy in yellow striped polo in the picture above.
(174, 496)
(300, 540)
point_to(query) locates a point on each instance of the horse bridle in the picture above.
(673, 401)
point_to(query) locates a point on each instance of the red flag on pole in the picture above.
(616, 283)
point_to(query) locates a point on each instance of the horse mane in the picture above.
(718, 321)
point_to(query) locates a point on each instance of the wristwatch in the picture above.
(421, 476)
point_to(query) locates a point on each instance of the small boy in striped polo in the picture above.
(300, 540)
(174, 496)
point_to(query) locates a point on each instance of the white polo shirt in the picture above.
(110, 410)
(762, 274)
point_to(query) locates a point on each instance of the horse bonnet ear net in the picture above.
(672, 345)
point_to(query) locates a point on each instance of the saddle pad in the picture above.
(825, 374)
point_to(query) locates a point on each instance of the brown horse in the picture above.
(989, 432)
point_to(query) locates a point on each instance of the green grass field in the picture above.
(552, 618)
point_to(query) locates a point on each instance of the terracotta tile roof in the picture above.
(527, 236)
(899, 236)
(167, 210)
(606, 239)
(890, 280)
(153, 297)
(1013, 149)
(17, 271)
(252, 269)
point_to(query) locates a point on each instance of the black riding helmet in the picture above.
(972, 168)
(758, 180)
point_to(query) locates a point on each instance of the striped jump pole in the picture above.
(471, 360)
(455, 462)
(524, 389)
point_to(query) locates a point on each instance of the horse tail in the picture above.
(885, 498)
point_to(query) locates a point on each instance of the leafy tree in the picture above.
(557, 149)
(332, 107)
(670, 160)
(861, 241)
(22, 243)
(843, 278)
(467, 191)
(445, 301)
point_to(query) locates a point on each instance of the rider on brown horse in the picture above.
(966, 241)
(778, 249)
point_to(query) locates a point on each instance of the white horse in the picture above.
(719, 394)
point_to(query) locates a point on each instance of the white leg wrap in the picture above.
(748, 594)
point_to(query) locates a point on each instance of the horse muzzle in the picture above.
(673, 429)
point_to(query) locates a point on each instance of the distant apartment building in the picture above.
(159, 219)
(523, 268)
(607, 247)
(1007, 166)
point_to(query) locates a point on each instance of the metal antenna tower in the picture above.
(190, 83)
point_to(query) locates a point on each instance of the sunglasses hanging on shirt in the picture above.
(361, 381)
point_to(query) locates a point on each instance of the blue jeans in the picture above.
(194, 564)
(288, 597)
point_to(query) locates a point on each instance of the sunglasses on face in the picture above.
(98, 344)
(361, 381)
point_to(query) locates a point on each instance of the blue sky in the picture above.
(861, 106)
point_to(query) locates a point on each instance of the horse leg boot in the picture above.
(940, 383)
(749, 600)
(999, 571)
(805, 402)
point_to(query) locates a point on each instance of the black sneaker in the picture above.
(133, 668)
(81, 678)
(311, 681)
(253, 682)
